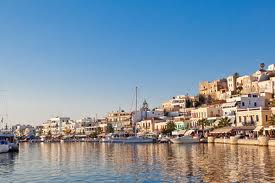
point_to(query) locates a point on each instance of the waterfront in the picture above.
(88, 162)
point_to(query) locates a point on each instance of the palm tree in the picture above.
(203, 123)
(272, 120)
(224, 122)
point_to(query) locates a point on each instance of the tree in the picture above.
(203, 123)
(67, 131)
(224, 122)
(170, 126)
(202, 99)
(49, 134)
(272, 120)
(98, 130)
(189, 103)
(239, 90)
(93, 135)
(109, 128)
(209, 99)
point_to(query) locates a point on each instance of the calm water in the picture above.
(87, 162)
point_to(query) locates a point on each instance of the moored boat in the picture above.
(139, 140)
(185, 140)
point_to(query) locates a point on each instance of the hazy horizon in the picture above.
(82, 58)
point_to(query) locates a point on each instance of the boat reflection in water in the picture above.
(7, 164)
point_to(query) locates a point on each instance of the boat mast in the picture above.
(136, 110)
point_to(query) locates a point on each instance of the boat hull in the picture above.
(138, 140)
(4, 148)
(185, 140)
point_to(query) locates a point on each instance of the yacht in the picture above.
(137, 139)
(188, 138)
(185, 140)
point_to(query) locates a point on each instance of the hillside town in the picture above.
(237, 104)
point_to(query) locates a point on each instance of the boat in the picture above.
(137, 139)
(8, 143)
(185, 140)
(4, 147)
(164, 140)
(188, 138)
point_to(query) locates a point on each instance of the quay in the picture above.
(260, 141)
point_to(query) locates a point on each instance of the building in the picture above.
(145, 113)
(206, 112)
(247, 84)
(232, 83)
(179, 102)
(242, 102)
(155, 125)
(23, 130)
(55, 126)
(253, 117)
(119, 119)
(214, 88)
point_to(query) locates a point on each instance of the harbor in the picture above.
(99, 162)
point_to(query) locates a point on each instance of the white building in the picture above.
(56, 125)
(242, 102)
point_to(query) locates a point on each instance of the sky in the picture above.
(82, 58)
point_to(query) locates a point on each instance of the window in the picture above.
(240, 119)
(266, 117)
(244, 118)
(255, 104)
(243, 104)
(257, 118)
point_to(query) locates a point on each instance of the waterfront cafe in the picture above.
(269, 131)
(246, 131)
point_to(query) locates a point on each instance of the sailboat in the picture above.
(137, 139)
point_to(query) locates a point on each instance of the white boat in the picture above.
(185, 140)
(139, 140)
(10, 141)
(4, 147)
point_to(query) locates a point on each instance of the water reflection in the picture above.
(7, 163)
(88, 162)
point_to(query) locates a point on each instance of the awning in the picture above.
(270, 128)
(222, 130)
(229, 104)
(258, 128)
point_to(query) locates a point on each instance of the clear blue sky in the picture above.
(82, 57)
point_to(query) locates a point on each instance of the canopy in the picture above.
(258, 128)
(270, 128)
(229, 104)
(222, 130)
